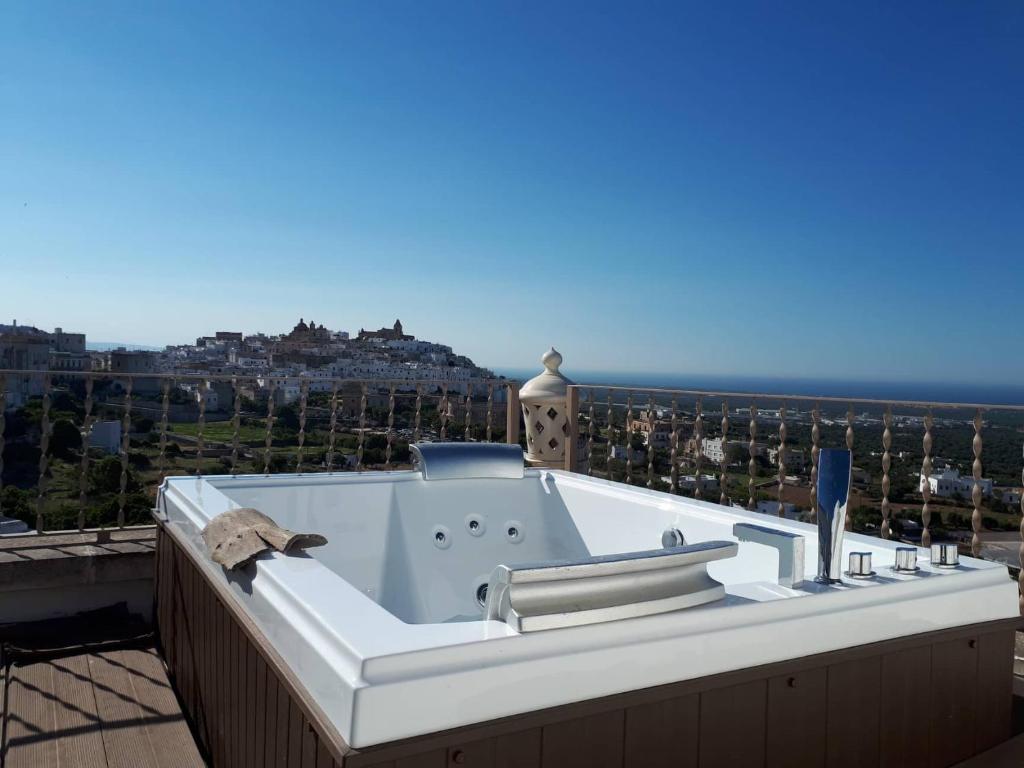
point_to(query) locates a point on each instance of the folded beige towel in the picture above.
(235, 537)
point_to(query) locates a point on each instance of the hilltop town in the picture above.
(308, 356)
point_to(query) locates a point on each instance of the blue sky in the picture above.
(833, 190)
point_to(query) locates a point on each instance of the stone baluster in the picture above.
(512, 414)
(200, 424)
(390, 447)
(723, 495)
(782, 459)
(849, 447)
(83, 467)
(443, 407)
(926, 488)
(236, 422)
(611, 435)
(268, 438)
(45, 431)
(815, 450)
(467, 432)
(362, 427)
(650, 441)
(333, 432)
(752, 463)
(490, 409)
(417, 422)
(976, 446)
(591, 429)
(886, 467)
(3, 427)
(126, 428)
(674, 450)
(629, 439)
(165, 404)
(1020, 551)
(303, 400)
(849, 428)
(698, 450)
(571, 429)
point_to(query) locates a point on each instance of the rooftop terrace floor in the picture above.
(104, 702)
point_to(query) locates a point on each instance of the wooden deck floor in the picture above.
(96, 708)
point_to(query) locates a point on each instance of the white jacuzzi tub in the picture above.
(384, 628)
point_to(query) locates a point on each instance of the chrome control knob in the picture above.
(945, 555)
(672, 537)
(906, 560)
(860, 565)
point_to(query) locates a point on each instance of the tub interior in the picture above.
(424, 550)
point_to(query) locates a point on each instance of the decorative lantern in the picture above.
(545, 414)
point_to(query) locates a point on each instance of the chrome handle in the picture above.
(605, 588)
(945, 555)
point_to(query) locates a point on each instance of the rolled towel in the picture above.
(235, 537)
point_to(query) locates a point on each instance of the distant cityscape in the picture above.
(308, 356)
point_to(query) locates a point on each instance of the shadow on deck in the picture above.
(104, 700)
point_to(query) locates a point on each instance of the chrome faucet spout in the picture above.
(835, 467)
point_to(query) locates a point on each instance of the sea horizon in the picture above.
(864, 389)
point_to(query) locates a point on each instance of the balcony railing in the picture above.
(660, 438)
(83, 450)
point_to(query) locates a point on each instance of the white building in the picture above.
(795, 457)
(418, 347)
(106, 436)
(1010, 496)
(707, 483)
(789, 510)
(62, 341)
(25, 350)
(951, 483)
(737, 450)
(619, 452)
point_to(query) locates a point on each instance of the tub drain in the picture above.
(481, 595)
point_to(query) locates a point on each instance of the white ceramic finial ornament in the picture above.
(543, 399)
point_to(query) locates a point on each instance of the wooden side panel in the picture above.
(241, 712)
(472, 754)
(854, 697)
(937, 702)
(437, 758)
(994, 689)
(250, 707)
(953, 700)
(283, 747)
(296, 727)
(663, 734)
(906, 687)
(797, 719)
(270, 723)
(259, 723)
(586, 742)
(518, 750)
(732, 725)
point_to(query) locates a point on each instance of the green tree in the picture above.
(105, 476)
(65, 439)
(18, 504)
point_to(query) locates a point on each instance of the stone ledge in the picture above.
(48, 561)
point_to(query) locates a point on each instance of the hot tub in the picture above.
(395, 629)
